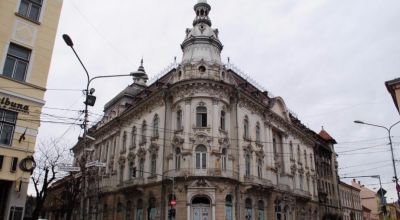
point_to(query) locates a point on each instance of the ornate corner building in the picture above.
(27, 34)
(206, 136)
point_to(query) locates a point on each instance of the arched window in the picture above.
(124, 142)
(259, 168)
(247, 164)
(249, 209)
(153, 165)
(139, 210)
(178, 159)
(155, 126)
(291, 150)
(201, 157)
(301, 181)
(258, 138)
(298, 154)
(246, 127)
(144, 128)
(278, 210)
(223, 159)
(201, 116)
(179, 120)
(305, 158)
(128, 210)
(132, 170)
(228, 207)
(222, 121)
(286, 213)
(133, 138)
(152, 209)
(261, 213)
(121, 173)
(141, 167)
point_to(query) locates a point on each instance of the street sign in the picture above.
(69, 169)
(95, 163)
(173, 202)
(91, 164)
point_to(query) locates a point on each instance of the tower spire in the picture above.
(202, 8)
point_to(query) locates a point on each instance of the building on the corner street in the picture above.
(351, 202)
(27, 33)
(204, 134)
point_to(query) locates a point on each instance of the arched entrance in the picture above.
(201, 208)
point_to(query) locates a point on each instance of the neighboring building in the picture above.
(327, 171)
(393, 86)
(62, 200)
(366, 213)
(351, 202)
(27, 33)
(231, 150)
(393, 211)
(369, 199)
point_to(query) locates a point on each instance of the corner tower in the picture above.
(201, 45)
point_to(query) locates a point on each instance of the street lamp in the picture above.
(90, 100)
(391, 150)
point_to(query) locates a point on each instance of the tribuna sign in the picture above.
(6, 103)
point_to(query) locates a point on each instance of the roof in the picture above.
(391, 86)
(326, 136)
(365, 209)
(343, 184)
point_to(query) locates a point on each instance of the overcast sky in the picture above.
(327, 59)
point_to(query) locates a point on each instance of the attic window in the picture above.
(202, 69)
(180, 74)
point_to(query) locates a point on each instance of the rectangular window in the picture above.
(16, 213)
(7, 126)
(30, 9)
(14, 163)
(17, 61)
(1, 161)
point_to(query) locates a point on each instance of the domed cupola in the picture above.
(201, 43)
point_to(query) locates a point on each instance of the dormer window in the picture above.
(202, 69)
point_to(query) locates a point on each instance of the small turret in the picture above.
(140, 77)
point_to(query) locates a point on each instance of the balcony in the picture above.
(185, 172)
(302, 195)
(255, 180)
(133, 182)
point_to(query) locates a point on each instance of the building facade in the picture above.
(27, 33)
(369, 199)
(206, 136)
(351, 202)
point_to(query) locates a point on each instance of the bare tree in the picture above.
(48, 156)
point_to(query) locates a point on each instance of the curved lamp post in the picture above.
(391, 150)
(90, 100)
